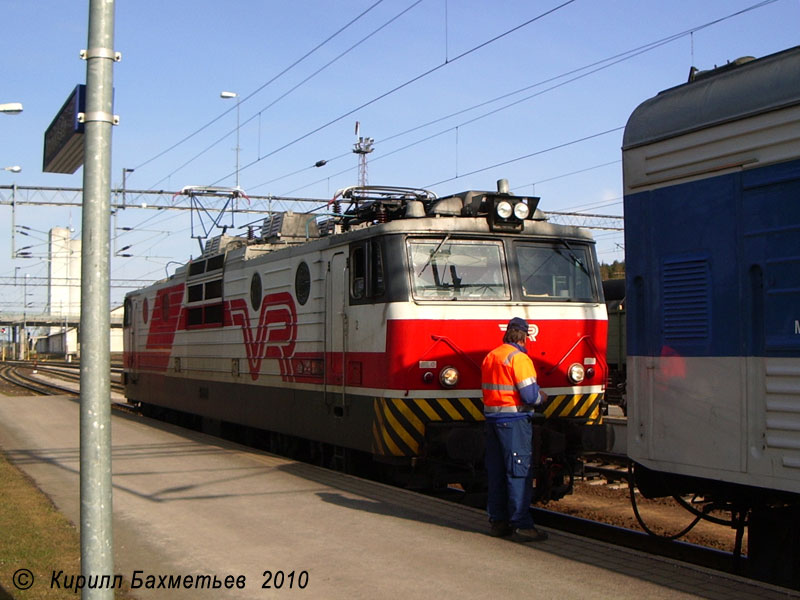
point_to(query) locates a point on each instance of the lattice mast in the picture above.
(362, 147)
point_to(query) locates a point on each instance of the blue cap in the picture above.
(517, 323)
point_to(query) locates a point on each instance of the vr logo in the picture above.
(275, 332)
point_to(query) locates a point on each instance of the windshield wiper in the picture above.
(574, 257)
(434, 253)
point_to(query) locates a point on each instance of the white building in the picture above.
(64, 297)
(64, 285)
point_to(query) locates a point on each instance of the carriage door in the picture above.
(771, 221)
(336, 326)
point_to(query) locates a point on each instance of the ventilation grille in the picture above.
(782, 401)
(686, 301)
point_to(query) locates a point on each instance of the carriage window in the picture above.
(445, 269)
(556, 271)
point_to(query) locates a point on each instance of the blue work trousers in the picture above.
(508, 463)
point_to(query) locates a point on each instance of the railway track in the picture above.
(64, 379)
(51, 378)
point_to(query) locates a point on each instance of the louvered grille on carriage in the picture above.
(782, 399)
(686, 315)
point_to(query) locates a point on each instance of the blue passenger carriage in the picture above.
(712, 236)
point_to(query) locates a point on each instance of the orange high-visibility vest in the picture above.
(505, 370)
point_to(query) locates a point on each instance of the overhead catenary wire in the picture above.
(590, 68)
(292, 89)
(694, 29)
(529, 155)
(260, 88)
(400, 87)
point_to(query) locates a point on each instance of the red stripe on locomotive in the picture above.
(413, 347)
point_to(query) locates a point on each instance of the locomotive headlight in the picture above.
(504, 209)
(576, 373)
(448, 377)
(508, 213)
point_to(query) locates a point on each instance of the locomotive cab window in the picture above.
(557, 271)
(445, 269)
(366, 272)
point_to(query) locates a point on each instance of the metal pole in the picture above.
(13, 221)
(125, 172)
(24, 353)
(238, 101)
(97, 547)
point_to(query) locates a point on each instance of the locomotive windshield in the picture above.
(445, 269)
(556, 271)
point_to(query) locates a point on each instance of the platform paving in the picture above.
(189, 504)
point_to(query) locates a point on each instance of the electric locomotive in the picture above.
(361, 333)
(712, 238)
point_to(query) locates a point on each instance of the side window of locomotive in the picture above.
(445, 269)
(358, 273)
(302, 283)
(555, 271)
(204, 293)
(255, 291)
(213, 289)
(367, 279)
(194, 293)
(376, 267)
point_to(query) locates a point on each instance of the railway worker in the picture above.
(510, 393)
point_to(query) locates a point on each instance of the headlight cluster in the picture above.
(508, 213)
(505, 209)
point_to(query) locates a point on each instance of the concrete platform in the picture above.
(189, 504)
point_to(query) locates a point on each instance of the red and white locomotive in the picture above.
(362, 335)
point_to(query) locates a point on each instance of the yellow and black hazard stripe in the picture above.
(585, 406)
(398, 426)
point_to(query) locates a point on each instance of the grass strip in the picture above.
(34, 535)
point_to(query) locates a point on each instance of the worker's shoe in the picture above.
(530, 534)
(500, 529)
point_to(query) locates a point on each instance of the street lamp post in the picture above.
(14, 169)
(238, 102)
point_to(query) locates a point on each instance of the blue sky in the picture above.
(178, 55)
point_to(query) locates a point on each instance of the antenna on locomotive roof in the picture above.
(362, 147)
